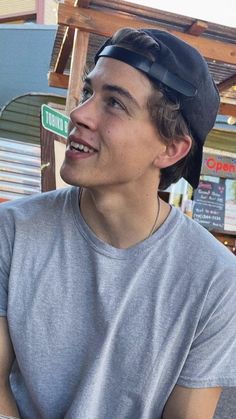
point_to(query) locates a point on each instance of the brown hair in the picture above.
(164, 107)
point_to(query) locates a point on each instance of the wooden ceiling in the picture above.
(74, 49)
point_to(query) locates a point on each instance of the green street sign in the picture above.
(54, 121)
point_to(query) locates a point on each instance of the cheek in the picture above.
(122, 139)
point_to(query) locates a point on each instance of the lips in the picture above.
(81, 147)
(78, 148)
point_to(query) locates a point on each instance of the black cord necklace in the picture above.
(156, 218)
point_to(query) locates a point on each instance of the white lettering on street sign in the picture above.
(54, 121)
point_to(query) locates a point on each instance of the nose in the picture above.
(85, 114)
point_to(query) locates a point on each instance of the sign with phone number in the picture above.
(209, 206)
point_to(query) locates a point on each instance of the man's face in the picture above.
(111, 138)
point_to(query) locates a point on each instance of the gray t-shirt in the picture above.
(106, 333)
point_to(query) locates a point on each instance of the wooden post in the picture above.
(48, 180)
(78, 62)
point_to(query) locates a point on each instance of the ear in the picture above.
(174, 151)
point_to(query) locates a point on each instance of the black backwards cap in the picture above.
(184, 71)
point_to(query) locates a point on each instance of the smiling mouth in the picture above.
(73, 146)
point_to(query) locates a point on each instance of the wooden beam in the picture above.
(18, 17)
(68, 38)
(48, 180)
(78, 63)
(227, 84)
(58, 80)
(65, 50)
(197, 28)
(104, 23)
(80, 3)
(227, 109)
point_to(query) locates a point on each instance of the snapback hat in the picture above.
(184, 71)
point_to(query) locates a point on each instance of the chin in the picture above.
(68, 176)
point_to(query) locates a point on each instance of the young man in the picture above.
(113, 304)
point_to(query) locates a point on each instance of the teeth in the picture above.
(81, 147)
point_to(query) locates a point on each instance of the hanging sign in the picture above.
(209, 205)
(218, 165)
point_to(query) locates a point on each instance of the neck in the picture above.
(120, 220)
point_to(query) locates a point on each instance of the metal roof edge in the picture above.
(29, 94)
(28, 26)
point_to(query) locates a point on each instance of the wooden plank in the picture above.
(227, 109)
(65, 50)
(221, 140)
(227, 84)
(144, 11)
(197, 28)
(67, 42)
(103, 23)
(81, 3)
(18, 19)
(175, 20)
(78, 63)
(48, 179)
(58, 80)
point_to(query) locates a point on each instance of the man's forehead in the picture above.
(112, 71)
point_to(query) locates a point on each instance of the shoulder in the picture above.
(25, 207)
(35, 214)
(198, 241)
(199, 256)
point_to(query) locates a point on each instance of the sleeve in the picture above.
(6, 245)
(211, 361)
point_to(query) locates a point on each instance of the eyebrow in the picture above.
(116, 89)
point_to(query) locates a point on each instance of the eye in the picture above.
(115, 103)
(85, 94)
